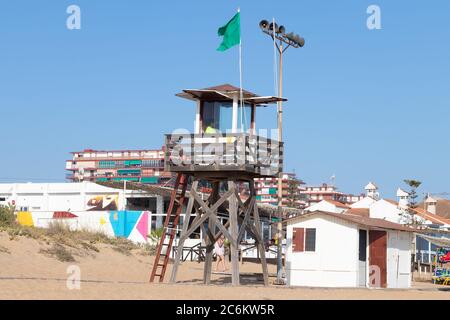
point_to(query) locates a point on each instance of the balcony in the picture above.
(130, 164)
(117, 156)
(221, 155)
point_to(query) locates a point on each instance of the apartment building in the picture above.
(267, 190)
(315, 194)
(144, 166)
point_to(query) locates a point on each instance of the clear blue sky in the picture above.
(363, 105)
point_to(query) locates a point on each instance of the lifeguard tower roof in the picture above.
(226, 92)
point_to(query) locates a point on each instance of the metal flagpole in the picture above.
(240, 68)
(275, 71)
(280, 175)
(278, 235)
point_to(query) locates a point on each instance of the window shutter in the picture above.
(298, 240)
(310, 241)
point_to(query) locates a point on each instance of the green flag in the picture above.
(231, 33)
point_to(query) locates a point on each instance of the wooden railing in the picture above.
(198, 251)
(223, 152)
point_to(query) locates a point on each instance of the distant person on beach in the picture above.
(219, 249)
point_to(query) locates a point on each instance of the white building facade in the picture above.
(84, 206)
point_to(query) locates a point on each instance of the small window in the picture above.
(304, 240)
(362, 245)
(2, 199)
(310, 240)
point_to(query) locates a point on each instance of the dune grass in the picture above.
(65, 243)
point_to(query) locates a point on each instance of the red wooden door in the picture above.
(377, 258)
(298, 240)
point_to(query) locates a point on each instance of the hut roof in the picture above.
(225, 92)
(360, 220)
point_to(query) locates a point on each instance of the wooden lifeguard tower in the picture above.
(225, 149)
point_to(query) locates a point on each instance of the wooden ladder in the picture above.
(177, 198)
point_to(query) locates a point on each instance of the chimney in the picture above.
(403, 198)
(430, 204)
(372, 191)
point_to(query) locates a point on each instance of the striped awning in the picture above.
(438, 241)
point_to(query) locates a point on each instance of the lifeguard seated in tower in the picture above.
(210, 129)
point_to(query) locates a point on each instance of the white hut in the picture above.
(345, 250)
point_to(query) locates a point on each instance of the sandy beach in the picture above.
(27, 273)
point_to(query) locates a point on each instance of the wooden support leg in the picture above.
(260, 243)
(209, 255)
(183, 236)
(234, 235)
(209, 243)
(261, 248)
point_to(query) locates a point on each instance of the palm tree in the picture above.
(155, 235)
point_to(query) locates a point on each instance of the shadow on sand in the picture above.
(251, 279)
